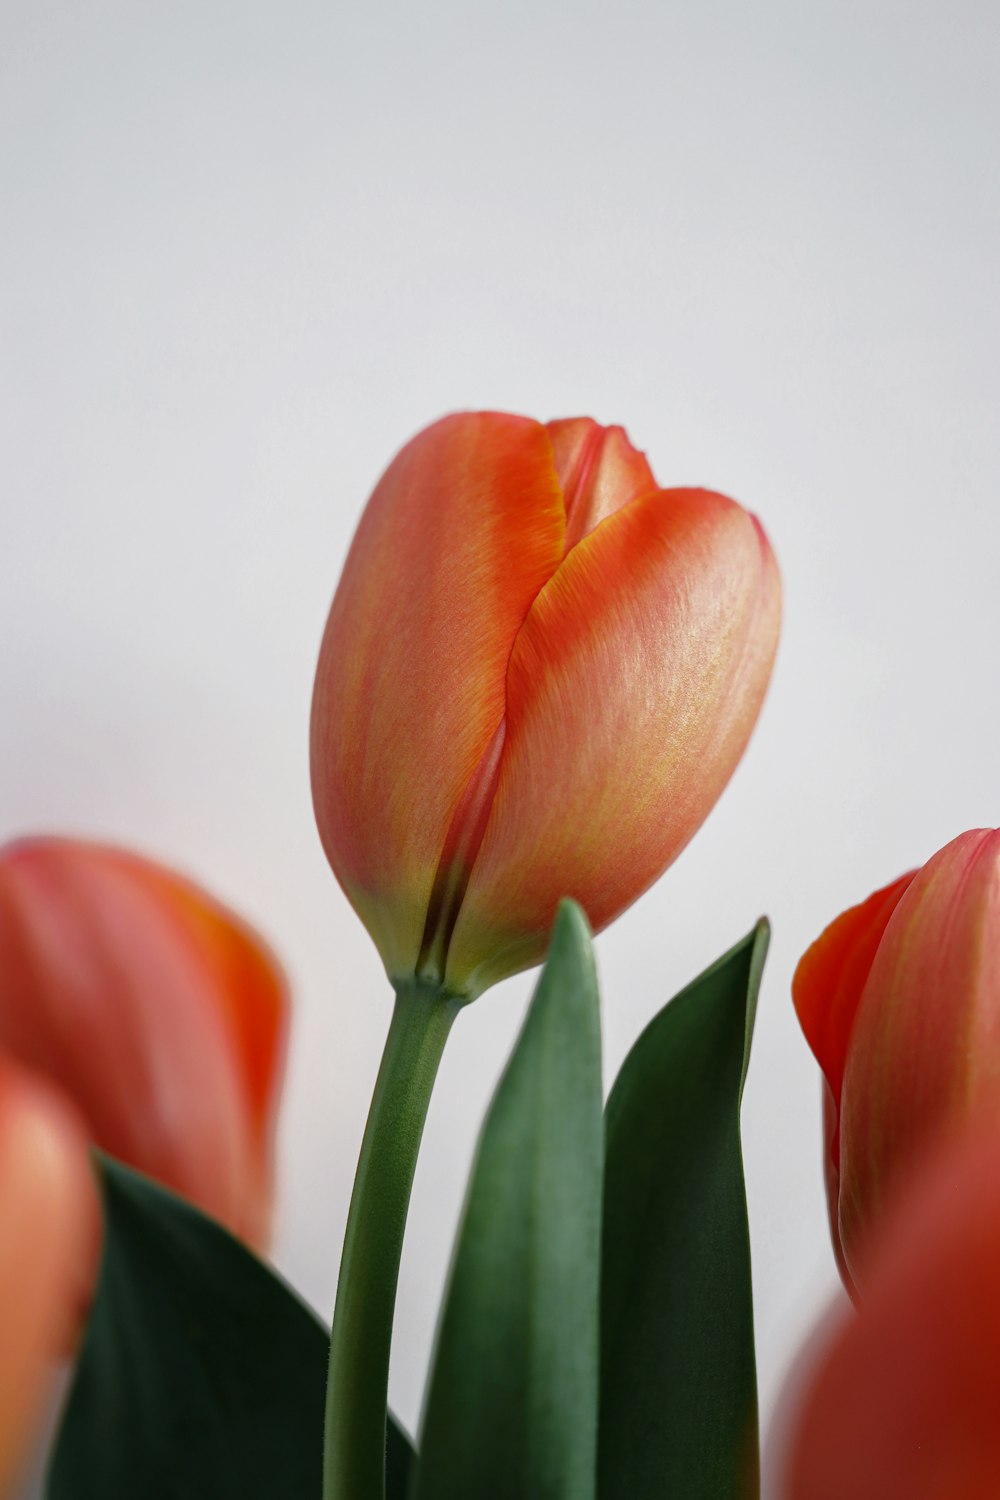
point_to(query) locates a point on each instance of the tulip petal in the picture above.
(460, 534)
(118, 985)
(826, 990)
(831, 975)
(599, 472)
(250, 985)
(924, 1044)
(903, 1401)
(632, 688)
(49, 1216)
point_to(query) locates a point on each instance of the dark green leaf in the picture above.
(202, 1375)
(512, 1407)
(678, 1380)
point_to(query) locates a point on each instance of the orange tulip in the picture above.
(538, 674)
(900, 1001)
(47, 1211)
(157, 1011)
(902, 1403)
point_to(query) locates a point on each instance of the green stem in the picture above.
(357, 1387)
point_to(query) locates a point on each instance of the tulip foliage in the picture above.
(211, 1373)
(539, 671)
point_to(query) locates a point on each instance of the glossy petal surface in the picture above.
(48, 1213)
(460, 534)
(599, 472)
(156, 1010)
(827, 990)
(831, 976)
(632, 690)
(924, 1051)
(903, 1402)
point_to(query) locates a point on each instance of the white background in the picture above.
(247, 249)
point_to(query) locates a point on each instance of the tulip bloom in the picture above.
(538, 674)
(900, 1001)
(156, 1010)
(903, 1403)
(47, 1210)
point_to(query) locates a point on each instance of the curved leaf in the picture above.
(512, 1406)
(202, 1375)
(678, 1379)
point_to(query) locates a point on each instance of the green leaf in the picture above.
(201, 1376)
(678, 1380)
(512, 1406)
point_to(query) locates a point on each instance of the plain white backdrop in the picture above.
(247, 249)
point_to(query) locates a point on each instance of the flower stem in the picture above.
(357, 1386)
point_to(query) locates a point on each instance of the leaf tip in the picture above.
(571, 921)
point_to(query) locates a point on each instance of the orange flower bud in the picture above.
(538, 674)
(902, 1401)
(157, 1011)
(47, 1210)
(900, 1001)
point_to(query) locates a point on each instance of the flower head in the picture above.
(538, 674)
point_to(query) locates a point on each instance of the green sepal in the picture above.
(512, 1403)
(201, 1375)
(678, 1412)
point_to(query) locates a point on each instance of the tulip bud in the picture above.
(157, 1011)
(48, 1210)
(901, 1403)
(538, 674)
(900, 1001)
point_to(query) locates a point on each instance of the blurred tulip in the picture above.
(48, 1210)
(157, 1011)
(902, 1402)
(900, 1001)
(538, 674)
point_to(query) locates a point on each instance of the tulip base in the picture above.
(357, 1387)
